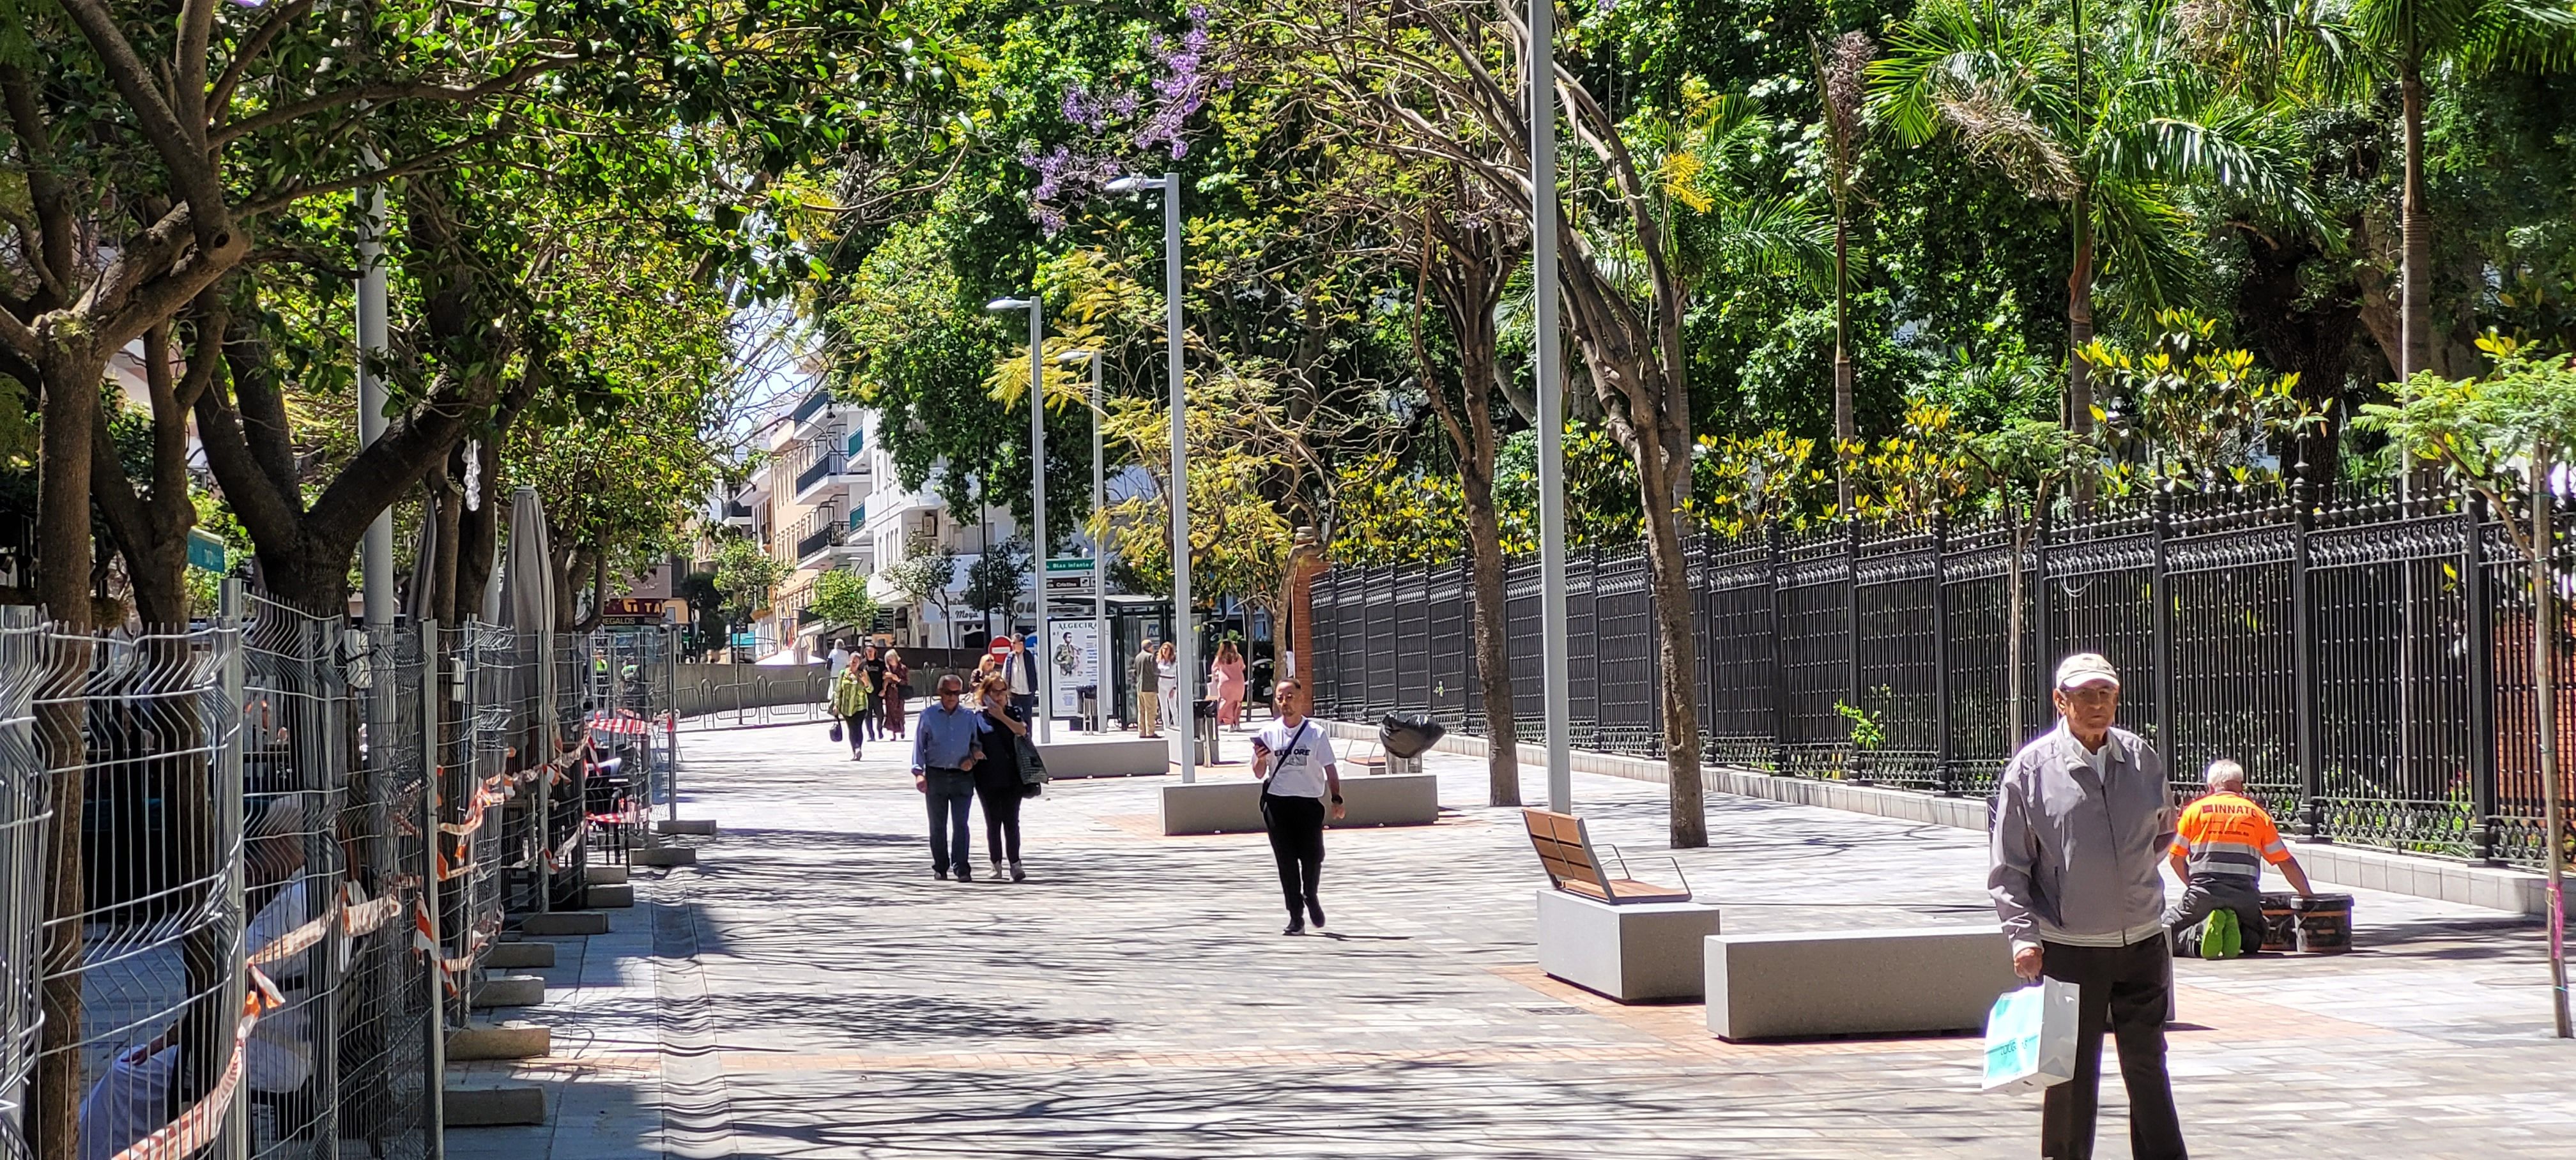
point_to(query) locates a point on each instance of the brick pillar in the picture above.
(1305, 562)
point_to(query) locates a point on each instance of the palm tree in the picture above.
(1841, 67)
(2100, 114)
(2403, 37)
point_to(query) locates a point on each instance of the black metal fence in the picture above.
(2368, 659)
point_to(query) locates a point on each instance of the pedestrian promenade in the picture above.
(818, 994)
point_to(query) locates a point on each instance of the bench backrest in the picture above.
(1565, 849)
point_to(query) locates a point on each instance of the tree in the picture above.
(1841, 68)
(841, 597)
(996, 579)
(2095, 112)
(2519, 415)
(747, 575)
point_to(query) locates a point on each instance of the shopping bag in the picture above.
(2030, 1037)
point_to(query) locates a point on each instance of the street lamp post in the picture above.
(1556, 696)
(1101, 653)
(1185, 641)
(1037, 496)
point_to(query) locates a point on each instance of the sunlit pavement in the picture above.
(816, 993)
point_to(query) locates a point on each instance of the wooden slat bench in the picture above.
(1565, 849)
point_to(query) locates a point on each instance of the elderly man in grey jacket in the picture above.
(2082, 821)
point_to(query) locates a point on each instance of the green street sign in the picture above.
(1070, 564)
(206, 550)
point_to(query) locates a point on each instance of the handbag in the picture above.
(2030, 1037)
(836, 730)
(1033, 770)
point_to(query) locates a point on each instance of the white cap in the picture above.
(2086, 669)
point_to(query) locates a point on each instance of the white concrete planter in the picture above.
(1855, 982)
(1634, 953)
(1233, 806)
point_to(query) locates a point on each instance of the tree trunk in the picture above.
(2079, 333)
(1493, 649)
(2414, 307)
(2544, 669)
(70, 408)
(1677, 654)
(1846, 426)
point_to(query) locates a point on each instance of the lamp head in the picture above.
(1072, 357)
(999, 305)
(1134, 184)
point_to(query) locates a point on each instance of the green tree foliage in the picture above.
(842, 597)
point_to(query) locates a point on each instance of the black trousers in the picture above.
(1000, 793)
(1296, 826)
(2126, 990)
(950, 793)
(853, 726)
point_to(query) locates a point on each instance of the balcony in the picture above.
(738, 513)
(818, 534)
(823, 467)
(824, 463)
(813, 404)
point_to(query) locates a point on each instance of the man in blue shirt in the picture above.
(946, 744)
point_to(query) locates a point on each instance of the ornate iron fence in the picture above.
(2369, 661)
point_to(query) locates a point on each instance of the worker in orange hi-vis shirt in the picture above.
(2219, 850)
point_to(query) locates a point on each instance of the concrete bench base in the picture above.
(1234, 806)
(563, 922)
(520, 955)
(1634, 954)
(609, 897)
(510, 991)
(499, 1043)
(699, 827)
(604, 875)
(663, 856)
(1130, 757)
(492, 1107)
(1857, 982)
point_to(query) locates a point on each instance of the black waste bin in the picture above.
(1409, 735)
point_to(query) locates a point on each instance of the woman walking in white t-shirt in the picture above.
(1301, 788)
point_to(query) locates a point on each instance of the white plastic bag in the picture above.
(2030, 1037)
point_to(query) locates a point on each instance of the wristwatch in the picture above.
(1337, 799)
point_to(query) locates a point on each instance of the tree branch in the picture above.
(192, 168)
(221, 96)
(377, 94)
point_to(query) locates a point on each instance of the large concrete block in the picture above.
(1106, 757)
(563, 922)
(1855, 982)
(604, 875)
(1234, 807)
(1630, 953)
(510, 991)
(493, 1107)
(520, 955)
(662, 856)
(700, 827)
(509, 1042)
(608, 897)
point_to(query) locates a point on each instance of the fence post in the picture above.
(2158, 590)
(324, 679)
(1943, 782)
(434, 1028)
(1779, 672)
(1859, 770)
(2303, 665)
(2479, 623)
(2043, 592)
(228, 811)
(544, 759)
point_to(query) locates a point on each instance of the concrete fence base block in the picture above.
(1635, 953)
(563, 922)
(699, 827)
(1123, 757)
(1234, 807)
(1855, 982)
(513, 1042)
(510, 991)
(609, 897)
(604, 875)
(520, 955)
(664, 856)
(494, 1107)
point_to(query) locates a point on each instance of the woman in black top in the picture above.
(876, 669)
(998, 783)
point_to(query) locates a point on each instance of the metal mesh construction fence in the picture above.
(249, 871)
(2367, 660)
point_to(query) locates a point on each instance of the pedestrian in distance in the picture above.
(840, 656)
(850, 701)
(1301, 788)
(876, 691)
(2082, 821)
(1022, 666)
(2219, 849)
(1149, 692)
(898, 686)
(945, 751)
(1167, 684)
(1226, 682)
(997, 779)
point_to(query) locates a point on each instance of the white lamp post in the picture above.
(1556, 696)
(1037, 495)
(1100, 650)
(1185, 640)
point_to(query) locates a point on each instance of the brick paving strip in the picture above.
(1135, 1000)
